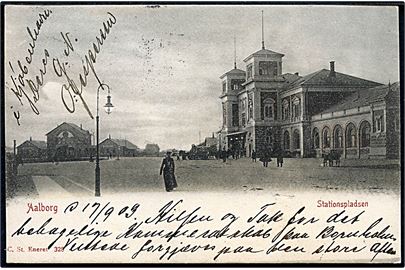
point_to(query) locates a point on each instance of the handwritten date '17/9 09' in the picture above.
(71, 92)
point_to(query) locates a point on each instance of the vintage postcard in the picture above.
(202, 134)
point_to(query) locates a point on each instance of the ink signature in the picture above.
(71, 90)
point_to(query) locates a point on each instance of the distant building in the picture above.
(118, 147)
(32, 150)
(151, 149)
(264, 108)
(211, 141)
(69, 142)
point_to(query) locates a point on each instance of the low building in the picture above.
(32, 150)
(118, 147)
(151, 149)
(364, 125)
(69, 142)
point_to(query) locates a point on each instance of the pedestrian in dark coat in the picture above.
(254, 156)
(167, 168)
(266, 157)
(280, 158)
(224, 154)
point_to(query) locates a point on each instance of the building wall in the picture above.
(76, 145)
(343, 121)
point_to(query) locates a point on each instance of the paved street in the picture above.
(142, 175)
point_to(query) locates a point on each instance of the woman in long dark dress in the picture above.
(167, 168)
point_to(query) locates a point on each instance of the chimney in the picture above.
(30, 139)
(296, 73)
(109, 136)
(81, 126)
(213, 135)
(332, 72)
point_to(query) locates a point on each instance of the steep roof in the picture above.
(126, 143)
(122, 143)
(364, 97)
(322, 78)
(38, 144)
(73, 126)
(235, 71)
(263, 52)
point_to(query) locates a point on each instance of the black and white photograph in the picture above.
(202, 133)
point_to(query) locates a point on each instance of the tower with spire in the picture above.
(264, 109)
(232, 83)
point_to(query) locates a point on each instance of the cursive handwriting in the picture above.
(26, 84)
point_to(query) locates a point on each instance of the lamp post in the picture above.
(108, 108)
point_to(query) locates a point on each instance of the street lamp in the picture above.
(108, 108)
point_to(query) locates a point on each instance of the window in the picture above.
(296, 109)
(338, 137)
(326, 137)
(268, 109)
(268, 68)
(396, 123)
(243, 119)
(296, 139)
(249, 71)
(286, 140)
(224, 87)
(365, 129)
(235, 115)
(264, 68)
(224, 113)
(286, 110)
(315, 138)
(350, 136)
(378, 121)
(236, 84)
(250, 108)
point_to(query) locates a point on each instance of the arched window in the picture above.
(286, 140)
(315, 138)
(286, 109)
(296, 108)
(326, 137)
(338, 137)
(268, 107)
(350, 135)
(365, 129)
(296, 139)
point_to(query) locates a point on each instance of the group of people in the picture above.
(167, 167)
(265, 158)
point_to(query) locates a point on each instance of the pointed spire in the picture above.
(262, 32)
(389, 85)
(234, 52)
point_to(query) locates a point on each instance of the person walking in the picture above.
(280, 158)
(224, 154)
(253, 156)
(167, 168)
(266, 157)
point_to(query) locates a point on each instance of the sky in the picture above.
(163, 64)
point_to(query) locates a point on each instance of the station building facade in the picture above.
(307, 116)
